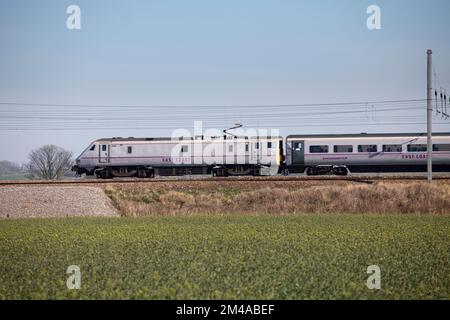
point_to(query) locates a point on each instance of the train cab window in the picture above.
(297, 146)
(92, 148)
(417, 147)
(343, 149)
(130, 149)
(184, 148)
(104, 147)
(392, 148)
(441, 147)
(269, 145)
(367, 148)
(318, 149)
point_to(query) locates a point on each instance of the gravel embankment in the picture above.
(54, 201)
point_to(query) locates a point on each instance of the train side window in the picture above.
(92, 148)
(246, 147)
(130, 149)
(392, 148)
(297, 146)
(441, 147)
(343, 149)
(318, 149)
(104, 147)
(257, 145)
(417, 147)
(367, 148)
(184, 148)
(269, 145)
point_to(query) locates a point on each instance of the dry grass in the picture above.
(379, 198)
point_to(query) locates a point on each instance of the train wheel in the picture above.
(142, 174)
(106, 174)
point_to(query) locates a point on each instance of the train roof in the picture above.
(367, 135)
(114, 139)
(296, 136)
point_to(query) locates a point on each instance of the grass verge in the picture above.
(379, 198)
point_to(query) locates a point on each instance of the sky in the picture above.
(210, 60)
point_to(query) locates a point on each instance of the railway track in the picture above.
(358, 178)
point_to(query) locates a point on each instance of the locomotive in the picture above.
(147, 157)
(263, 155)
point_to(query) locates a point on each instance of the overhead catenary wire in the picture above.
(41, 116)
(443, 96)
(188, 127)
(11, 103)
(259, 115)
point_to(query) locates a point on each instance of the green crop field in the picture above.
(14, 177)
(245, 257)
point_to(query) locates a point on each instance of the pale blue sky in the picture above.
(219, 53)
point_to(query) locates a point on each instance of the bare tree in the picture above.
(49, 162)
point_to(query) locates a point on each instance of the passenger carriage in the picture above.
(341, 154)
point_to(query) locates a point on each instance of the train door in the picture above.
(254, 151)
(298, 152)
(247, 152)
(103, 153)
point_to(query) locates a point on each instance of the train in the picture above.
(228, 155)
